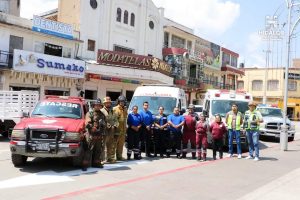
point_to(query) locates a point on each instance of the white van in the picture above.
(168, 96)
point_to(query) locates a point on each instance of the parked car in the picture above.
(273, 121)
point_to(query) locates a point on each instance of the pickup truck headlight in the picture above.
(71, 136)
(292, 127)
(18, 134)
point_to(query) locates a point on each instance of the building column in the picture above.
(170, 41)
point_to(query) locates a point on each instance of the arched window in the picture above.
(126, 17)
(119, 14)
(132, 19)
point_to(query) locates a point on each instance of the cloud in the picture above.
(206, 17)
(31, 7)
(253, 53)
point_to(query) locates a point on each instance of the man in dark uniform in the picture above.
(93, 144)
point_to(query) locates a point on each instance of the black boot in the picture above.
(199, 156)
(137, 157)
(128, 156)
(168, 155)
(183, 155)
(193, 155)
(178, 156)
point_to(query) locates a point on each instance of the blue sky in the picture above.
(233, 24)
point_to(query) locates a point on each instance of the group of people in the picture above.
(159, 135)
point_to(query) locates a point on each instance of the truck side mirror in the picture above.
(204, 112)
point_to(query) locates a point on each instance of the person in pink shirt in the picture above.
(218, 130)
(202, 128)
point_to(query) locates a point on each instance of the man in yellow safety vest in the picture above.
(234, 120)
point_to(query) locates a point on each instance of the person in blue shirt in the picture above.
(134, 122)
(146, 132)
(160, 132)
(176, 121)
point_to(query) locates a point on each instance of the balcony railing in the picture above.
(202, 84)
(6, 59)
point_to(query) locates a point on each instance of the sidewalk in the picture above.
(286, 186)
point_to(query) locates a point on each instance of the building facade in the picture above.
(254, 82)
(198, 64)
(35, 60)
(122, 44)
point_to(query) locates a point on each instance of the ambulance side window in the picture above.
(206, 108)
(179, 105)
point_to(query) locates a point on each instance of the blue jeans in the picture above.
(237, 135)
(253, 137)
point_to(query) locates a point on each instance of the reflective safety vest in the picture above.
(237, 120)
(249, 116)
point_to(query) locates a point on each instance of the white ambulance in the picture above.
(220, 101)
(168, 96)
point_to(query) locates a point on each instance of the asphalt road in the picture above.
(151, 179)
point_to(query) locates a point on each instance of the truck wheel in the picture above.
(18, 160)
(290, 139)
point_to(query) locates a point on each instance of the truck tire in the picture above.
(18, 160)
(290, 139)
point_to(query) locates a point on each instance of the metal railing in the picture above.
(196, 82)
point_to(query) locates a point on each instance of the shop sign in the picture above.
(27, 61)
(208, 52)
(115, 79)
(293, 76)
(52, 27)
(133, 60)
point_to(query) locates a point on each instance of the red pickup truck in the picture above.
(53, 129)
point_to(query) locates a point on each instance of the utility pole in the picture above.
(283, 134)
(268, 51)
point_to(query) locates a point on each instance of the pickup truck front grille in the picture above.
(49, 135)
(275, 126)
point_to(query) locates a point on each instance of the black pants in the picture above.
(133, 142)
(217, 146)
(159, 141)
(146, 140)
(175, 141)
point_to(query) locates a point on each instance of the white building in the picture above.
(129, 34)
(33, 57)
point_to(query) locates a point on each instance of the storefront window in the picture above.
(225, 59)
(39, 47)
(240, 85)
(53, 50)
(292, 85)
(67, 52)
(177, 42)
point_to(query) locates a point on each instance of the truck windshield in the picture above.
(274, 112)
(154, 102)
(223, 106)
(58, 109)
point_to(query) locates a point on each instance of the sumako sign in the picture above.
(132, 60)
(27, 61)
(52, 27)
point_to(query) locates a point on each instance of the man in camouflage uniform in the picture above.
(121, 111)
(111, 126)
(93, 141)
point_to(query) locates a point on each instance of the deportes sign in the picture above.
(52, 27)
(27, 61)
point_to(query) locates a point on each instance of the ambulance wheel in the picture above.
(18, 160)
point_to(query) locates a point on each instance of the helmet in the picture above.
(98, 101)
(121, 98)
(191, 106)
(106, 100)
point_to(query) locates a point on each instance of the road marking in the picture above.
(125, 182)
(4, 150)
(50, 176)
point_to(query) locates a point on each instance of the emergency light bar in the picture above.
(63, 97)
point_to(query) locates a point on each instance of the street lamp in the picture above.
(283, 134)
